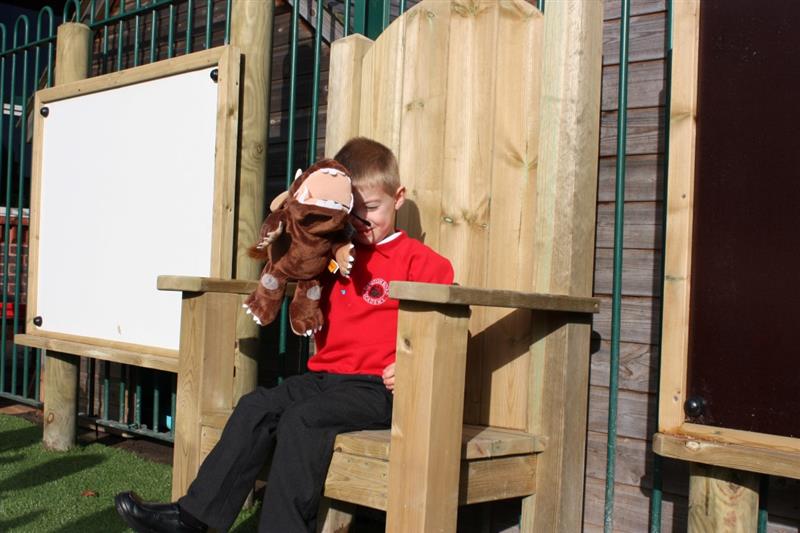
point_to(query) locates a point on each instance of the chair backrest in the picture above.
(455, 90)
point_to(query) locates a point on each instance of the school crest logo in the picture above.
(376, 292)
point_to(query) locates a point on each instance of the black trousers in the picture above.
(299, 419)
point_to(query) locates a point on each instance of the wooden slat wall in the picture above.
(641, 305)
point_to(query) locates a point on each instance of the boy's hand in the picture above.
(388, 377)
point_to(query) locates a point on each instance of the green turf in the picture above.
(43, 491)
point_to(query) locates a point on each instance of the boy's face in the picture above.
(374, 204)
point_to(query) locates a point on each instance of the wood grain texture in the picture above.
(477, 442)
(744, 455)
(344, 91)
(166, 360)
(250, 25)
(426, 419)
(722, 500)
(677, 260)
(564, 248)
(455, 294)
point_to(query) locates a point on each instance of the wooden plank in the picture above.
(426, 419)
(159, 361)
(640, 316)
(647, 38)
(638, 366)
(613, 8)
(646, 85)
(335, 516)
(382, 86)
(344, 91)
(422, 126)
(643, 225)
(454, 294)
(641, 271)
(357, 479)
(635, 411)
(208, 335)
(215, 418)
(225, 161)
(631, 504)
(201, 284)
(159, 69)
(634, 464)
(564, 224)
(721, 499)
(739, 456)
(677, 259)
(644, 178)
(645, 134)
(209, 437)
(514, 170)
(477, 442)
(250, 31)
(497, 479)
(363, 480)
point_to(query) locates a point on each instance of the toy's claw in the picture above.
(252, 315)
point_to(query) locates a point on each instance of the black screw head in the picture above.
(44, 111)
(37, 321)
(694, 406)
(215, 75)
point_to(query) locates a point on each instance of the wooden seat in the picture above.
(496, 463)
(493, 112)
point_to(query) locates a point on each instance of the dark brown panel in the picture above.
(745, 303)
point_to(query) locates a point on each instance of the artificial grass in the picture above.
(65, 492)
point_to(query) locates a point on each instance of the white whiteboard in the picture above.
(126, 195)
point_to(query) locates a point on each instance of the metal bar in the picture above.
(122, 383)
(136, 31)
(346, 18)
(21, 399)
(386, 13)
(209, 13)
(656, 497)
(126, 428)
(312, 141)
(616, 299)
(402, 6)
(540, 5)
(189, 22)
(171, 32)
(156, 406)
(108, 19)
(153, 35)
(106, 387)
(5, 222)
(137, 396)
(763, 503)
(172, 404)
(38, 393)
(90, 386)
(360, 17)
(228, 22)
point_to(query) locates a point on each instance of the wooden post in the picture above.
(61, 371)
(566, 191)
(426, 434)
(205, 376)
(722, 500)
(251, 32)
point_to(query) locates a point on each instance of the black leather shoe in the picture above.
(146, 517)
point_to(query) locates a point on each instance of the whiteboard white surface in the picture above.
(126, 195)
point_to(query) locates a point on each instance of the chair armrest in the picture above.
(199, 284)
(455, 294)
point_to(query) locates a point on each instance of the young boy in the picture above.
(349, 386)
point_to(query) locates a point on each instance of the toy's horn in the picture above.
(298, 173)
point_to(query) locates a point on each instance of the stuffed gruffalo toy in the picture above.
(307, 232)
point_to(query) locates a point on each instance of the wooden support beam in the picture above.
(427, 417)
(60, 369)
(722, 499)
(251, 32)
(205, 376)
(566, 196)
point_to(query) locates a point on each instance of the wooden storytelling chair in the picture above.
(493, 111)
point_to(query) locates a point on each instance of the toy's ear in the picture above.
(276, 203)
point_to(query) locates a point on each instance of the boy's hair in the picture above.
(370, 164)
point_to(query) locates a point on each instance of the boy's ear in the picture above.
(399, 197)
